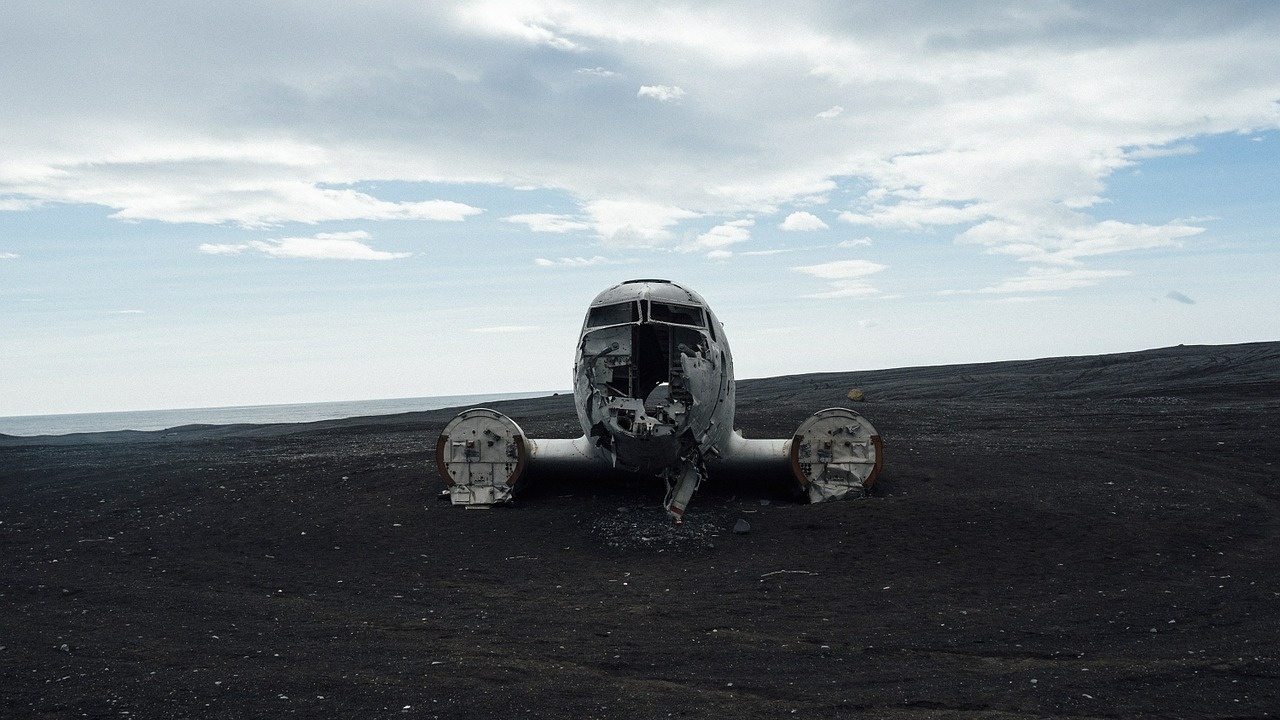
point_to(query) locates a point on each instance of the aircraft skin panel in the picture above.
(564, 455)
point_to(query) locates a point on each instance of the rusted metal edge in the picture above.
(441, 443)
(522, 452)
(795, 462)
(879, 446)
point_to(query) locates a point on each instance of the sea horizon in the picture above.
(151, 420)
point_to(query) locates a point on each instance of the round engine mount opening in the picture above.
(836, 454)
(481, 455)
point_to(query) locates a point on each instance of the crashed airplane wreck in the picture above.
(654, 393)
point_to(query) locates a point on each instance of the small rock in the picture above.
(764, 503)
(64, 648)
(742, 527)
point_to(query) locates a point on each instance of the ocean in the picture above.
(257, 414)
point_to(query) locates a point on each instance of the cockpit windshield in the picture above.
(619, 314)
(630, 313)
(676, 314)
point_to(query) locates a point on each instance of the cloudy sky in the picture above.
(208, 204)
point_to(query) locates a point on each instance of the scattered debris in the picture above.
(788, 572)
(648, 528)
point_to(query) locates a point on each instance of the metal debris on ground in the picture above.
(649, 528)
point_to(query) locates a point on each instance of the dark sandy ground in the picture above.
(1073, 537)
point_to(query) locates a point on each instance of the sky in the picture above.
(244, 203)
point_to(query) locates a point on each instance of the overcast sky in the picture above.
(238, 203)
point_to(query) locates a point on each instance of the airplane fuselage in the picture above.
(653, 389)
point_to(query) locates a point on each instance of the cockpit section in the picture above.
(654, 382)
(639, 349)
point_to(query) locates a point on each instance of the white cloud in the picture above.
(803, 221)
(1144, 153)
(571, 261)
(844, 289)
(1071, 238)
(292, 202)
(549, 222)
(223, 190)
(845, 277)
(529, 23)
(1038, 279)
(854, 243)
(323, 246)
(8, 256)
(505, 329)
(915, 215)
(717, 240)
(1026, 299)
(1015, 117)
(841, 269)
(635, 223)
(661, 93)
(223, 248)
(18, 204)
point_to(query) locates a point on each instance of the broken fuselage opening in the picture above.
(650, 374)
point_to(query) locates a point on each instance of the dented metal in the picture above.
(654, 392)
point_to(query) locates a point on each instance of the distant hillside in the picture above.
(1227, 373)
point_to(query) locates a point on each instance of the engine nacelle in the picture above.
(836, 454)
(481, 454)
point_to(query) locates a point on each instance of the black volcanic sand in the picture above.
(1089, 537)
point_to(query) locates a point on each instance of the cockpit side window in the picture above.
(677, 315)
(618, 314)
